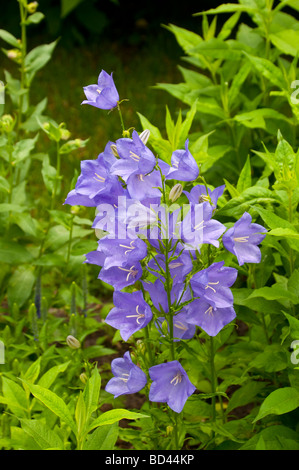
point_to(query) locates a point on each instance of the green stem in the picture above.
(213, 377)
(23, 15)
(57, 175)
(121, 119)
(70, 241)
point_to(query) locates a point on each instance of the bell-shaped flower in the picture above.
(158, 294)
(128, 378)
(120, 252)
(104, 95)
(242, 240)
(130, 314)
(183, 166)
(134, 158)
(198, 194)
(213, 284)
(209, 318)
(182, 328)
(178, 267)
(199, 228)
(170, 385)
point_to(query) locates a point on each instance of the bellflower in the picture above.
(178, 268)
(182, 328)
(183, 166)
(158, 294)
(128, 378)
(213, 284)
(135, 158)
(198, 227)
(104, 95)
(130, 314)
(170, 384)
(209, 318)
(198, 194)
(119, 252)
(242, 240)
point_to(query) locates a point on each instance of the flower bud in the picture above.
(7, 123)
(14, 54)
(164, 328)
(65, 134)
(175, 192)
(126, 133)
(169, 430)
(72, 342)
(204, 198)
(32, 7)
(144, 136)
(83, 378)
(114, 150)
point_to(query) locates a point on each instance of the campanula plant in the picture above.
(165, 281)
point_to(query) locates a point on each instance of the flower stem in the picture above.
(213, 377)
(57, 175)
(121, 119)
(23, 55)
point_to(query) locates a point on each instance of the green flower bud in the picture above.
(83, 378)
(65, 135)
(164, 327)
(32, 7)
(14, 54)
(175, 192)
(72, 342)
(7, 123)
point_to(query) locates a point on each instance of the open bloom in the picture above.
(198, 194)
(209, 318)
(128, 378)
(213, 284)
(242, 240)
(183, 166)
(171, 384)
(104, 95)
(130, 314)
(182, 328)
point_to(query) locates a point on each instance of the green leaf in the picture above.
(268, 70)
(54, 403)
(281, 401)
(154, 131)
(35, 18)
(103, 438)
(80, 414)
(286, 41)
(246, 394)
(15, 396)
(20, 286)
(38, 58)
(23, 148)
(112, 416)
(275, 437)
(68, 5)
(92, 392)
(294, 325)
(186, 39)
(50, 375)
(275, 292)
(14, 253)
(44, 436)
(9, 38)
(244, 180)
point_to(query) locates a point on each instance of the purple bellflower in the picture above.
(242, 240)
(198, 194)
(178, 268)
(209, 318)
(130, 314)
(120, 252)
(198, 227)
(183, 166)
(158, 294)
(128, 378)
(104, 95)
(182, 328)
(213, 284)
(170, 384)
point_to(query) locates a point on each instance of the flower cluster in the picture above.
(154, 250)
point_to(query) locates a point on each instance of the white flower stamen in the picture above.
(176, 379)
(213, 283)
(138, 316)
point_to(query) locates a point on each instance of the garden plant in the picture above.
(149, 299)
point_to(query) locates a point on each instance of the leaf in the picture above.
(186, 39)
(244, 180)
(80, 414)
(15, 396)
(36, 18)
(37, 58)
(92, 392)
(246, 394)
(9, 38)
(154, 131)
(68, 5)
(294, 325)
(281, 401)
(112, 416)
(54, 403)
(23, 148)
(20, 286)
(50, 375)
(44, 436)
(286, 41)
(275, 437)
(275, 292)
(14, 253)
(268, 70)
(103, 438)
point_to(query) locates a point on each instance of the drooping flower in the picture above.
(128, 378)
(170, 384)
(199, 228)
(242, 240)
(183, 166)
(96, 184)
(121, 276)
(198, 194)
(182, 328)
(130, 314)
(178, 267)
(104, 95)
(209, 318)
(119, 252)
(158, 294)
(213, 284)
(134, 157)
